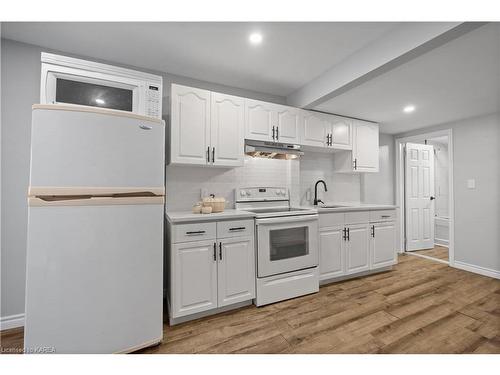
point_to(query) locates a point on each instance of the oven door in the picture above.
(286, 244)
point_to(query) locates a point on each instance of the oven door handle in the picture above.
(287, 219)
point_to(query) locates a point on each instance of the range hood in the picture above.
(272, 150)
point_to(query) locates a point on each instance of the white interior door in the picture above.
(419, 196)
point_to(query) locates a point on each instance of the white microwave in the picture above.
(66, 80)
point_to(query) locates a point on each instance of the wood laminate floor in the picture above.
(420, 306)
(439, 252)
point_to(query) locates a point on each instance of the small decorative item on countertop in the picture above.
(217, 203)
(206, 210)
(197, 208)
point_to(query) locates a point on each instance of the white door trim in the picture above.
(399, 143)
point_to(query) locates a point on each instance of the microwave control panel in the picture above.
(153, 101)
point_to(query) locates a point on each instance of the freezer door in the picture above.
(94, 277)
(95, 151)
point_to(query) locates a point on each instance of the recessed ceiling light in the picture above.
(409, 108)
(100, 101)
(255, 38)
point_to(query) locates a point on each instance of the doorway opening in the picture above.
(424, 179)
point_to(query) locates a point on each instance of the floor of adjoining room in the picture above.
(421, 306)
(438, 252)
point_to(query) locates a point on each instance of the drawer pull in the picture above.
(238, 228)
(196, 232)
(386, 216)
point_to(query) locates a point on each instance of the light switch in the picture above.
(471, 183)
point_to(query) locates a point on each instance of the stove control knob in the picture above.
(283, 192)
(277, 192)
(243, 193)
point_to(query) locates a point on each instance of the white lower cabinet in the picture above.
(383, 244)
(194, 281)
(210, 273)
(357, 248)
(236, 271)
(331, 254)
(350, 249)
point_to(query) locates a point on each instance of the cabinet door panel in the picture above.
(190, 125)
(314, 130)
(260, 117)
(236, 270)
(227, 128)
(332, 262)
(288, 125)
(383, 245)
(365, 147)
(341, 133)
(357, 249)
(194, 278)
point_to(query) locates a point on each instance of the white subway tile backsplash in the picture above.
(184, 183)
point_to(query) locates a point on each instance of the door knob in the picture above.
(432, 198)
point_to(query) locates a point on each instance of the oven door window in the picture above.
(288, 243)
(91, 94)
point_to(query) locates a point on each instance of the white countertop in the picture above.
(178, 217)
(346, 207)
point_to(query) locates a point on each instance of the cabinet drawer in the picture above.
(332, 219)
(383, 215)
(356, 217)
(235, 228)
(193, 232)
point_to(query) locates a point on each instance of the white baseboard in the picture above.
(11, 321)
(441, 242)
(477, 269)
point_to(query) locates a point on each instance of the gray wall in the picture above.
(20, 88)
(476, 153)
(379, 187)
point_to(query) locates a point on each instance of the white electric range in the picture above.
(287, 241)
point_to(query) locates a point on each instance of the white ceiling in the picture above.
(290, 56)
(458, 80)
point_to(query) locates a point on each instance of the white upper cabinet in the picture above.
(226, 136)
(365, 148)
(315, 130)
(207, 128)
(260, 120)
(341, 133)
(190, 125)
(288, 125)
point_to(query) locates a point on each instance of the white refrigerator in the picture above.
(94, 274)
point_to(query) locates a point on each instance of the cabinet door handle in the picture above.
(195, 232)
(277, 133)
(355, 164)
(344, 234)
(238, 228)
(273, 133)
(328, 139)
(348, 235)
(208, 154)
(386, 216)
(215, 252)
(213, 154)
(220, 250)
(373, 231)
(331, 139)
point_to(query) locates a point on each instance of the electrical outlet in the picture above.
(203, 193)
(471, 183)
